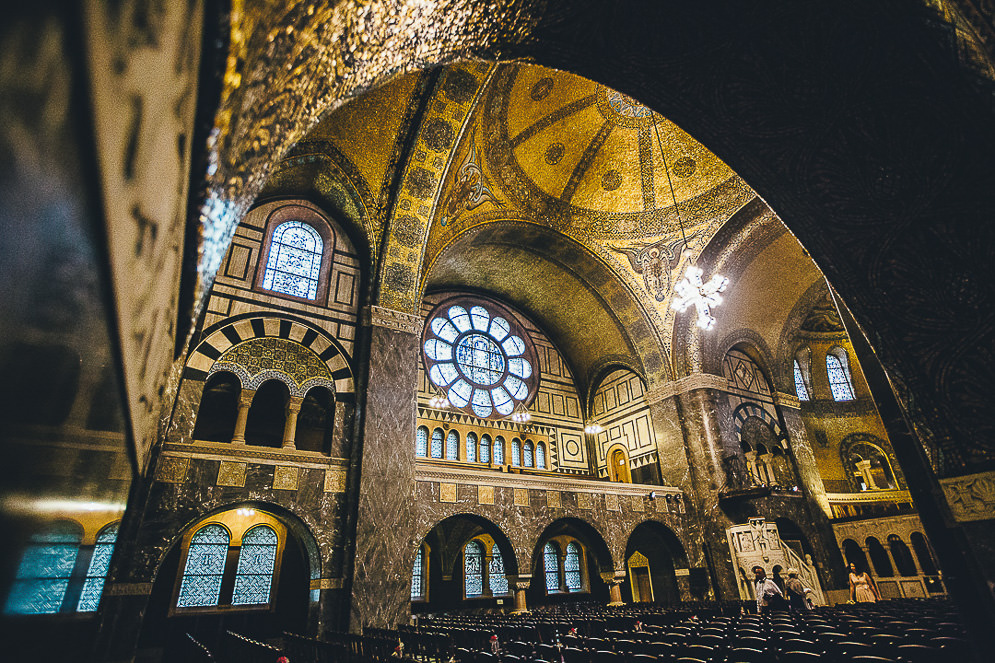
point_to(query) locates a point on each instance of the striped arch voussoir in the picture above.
(747, 410)
(203, 360)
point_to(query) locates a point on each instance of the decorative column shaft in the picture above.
(519, 584)
(290, 427)
(244, 403)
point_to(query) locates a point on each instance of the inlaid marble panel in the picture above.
(553, 499)
(485, 494)
(285, 477)
(171, 469)
(335, 481)
(231, 473)
(584, 501)
(447, 492)
(521, 497)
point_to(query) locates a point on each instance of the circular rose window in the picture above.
(481, 359)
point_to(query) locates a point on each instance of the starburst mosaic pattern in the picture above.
(478, 359)
(692, 291)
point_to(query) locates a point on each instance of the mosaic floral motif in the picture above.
(626, 106)
(469, 191)
(277, 354)
(655, 263)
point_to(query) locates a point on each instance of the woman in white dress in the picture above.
(862, 588)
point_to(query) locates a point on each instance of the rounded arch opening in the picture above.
(653, 555)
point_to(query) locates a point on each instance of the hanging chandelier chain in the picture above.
(670, 181)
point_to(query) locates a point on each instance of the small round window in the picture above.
(482, 361)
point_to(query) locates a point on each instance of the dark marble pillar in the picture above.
(384, 549)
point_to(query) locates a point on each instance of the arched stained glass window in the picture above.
(541, 456)
(437, 443)
(201, 584)
(473, 569)
(43, 575)
(421, 441)
(256, 562)
(418, 577)
(485, 448)
(551, 565)
(495, 573)
(516, 452)
(529, 454)
(471, 447)
(294, 262)
(800, 389)
(839, 376)
(100, 563)
(452, 446)
(499, 450)
(571, 567)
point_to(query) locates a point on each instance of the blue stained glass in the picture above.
(499, 450)
(43, 575)
(418, 577)
(201, 584)
(294, 262)
(471, 447)
(800, 389)
(421, 442)
(256, 561)
(485, 449)
(839, 381)
(437, 443)
(473, 569)
(551, 564)
(571, 567)
(100, 563)
(452, 446)
(516, 452)
(495, 573)
(529, 460)
(541, 456)
(480, 359)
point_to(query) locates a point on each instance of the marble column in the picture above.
(384, 539)
(864, 467)
(614, 581)
(519, 584)
(290, 427)
(244, 403)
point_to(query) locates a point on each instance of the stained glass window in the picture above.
(477, 360)
(294, 262)
(839, 378)
(201, 584)
(100, 563)
(800, 389)
(256, 562)
(495, 573)
(516, 452)
(418, 577)
(43, 575)
(437, 443)
(485, 449)
(571, 567)
(541, 456)
(499, 450)
(471, 447)
(529, 453)
(452, 446)
(421, 441)
(473, 569)
(551, 564)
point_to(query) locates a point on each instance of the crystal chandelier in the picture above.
(521, 414)
(439, 401)
(691, 288)
(593, 428)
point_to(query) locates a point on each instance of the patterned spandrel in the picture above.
(201, 584)
(495, 573)
(473, 569)
(294, 262)
(421, 442)
(93, 586)
(437, 443)
(541, 457)
(417, 577)
(516, 452)
(471, 448)
(499, 450)
(529, 455)
(452, 446)
(800, 389)
(256, 561)
(43, 575)
(551, 564)
(485, 449)
(571, 568)
(839, 381)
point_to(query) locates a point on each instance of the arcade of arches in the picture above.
(353, 318)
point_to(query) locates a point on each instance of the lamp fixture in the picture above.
(691, 289)
(521, 415)
(592, 428)
(439, 401)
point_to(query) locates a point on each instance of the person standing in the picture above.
(795, 591)
(862, 587)
(769, 597)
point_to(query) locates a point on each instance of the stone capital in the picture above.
(379, 316)
(245, 398)
(687, 384)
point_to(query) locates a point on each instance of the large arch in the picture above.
(653, 555)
